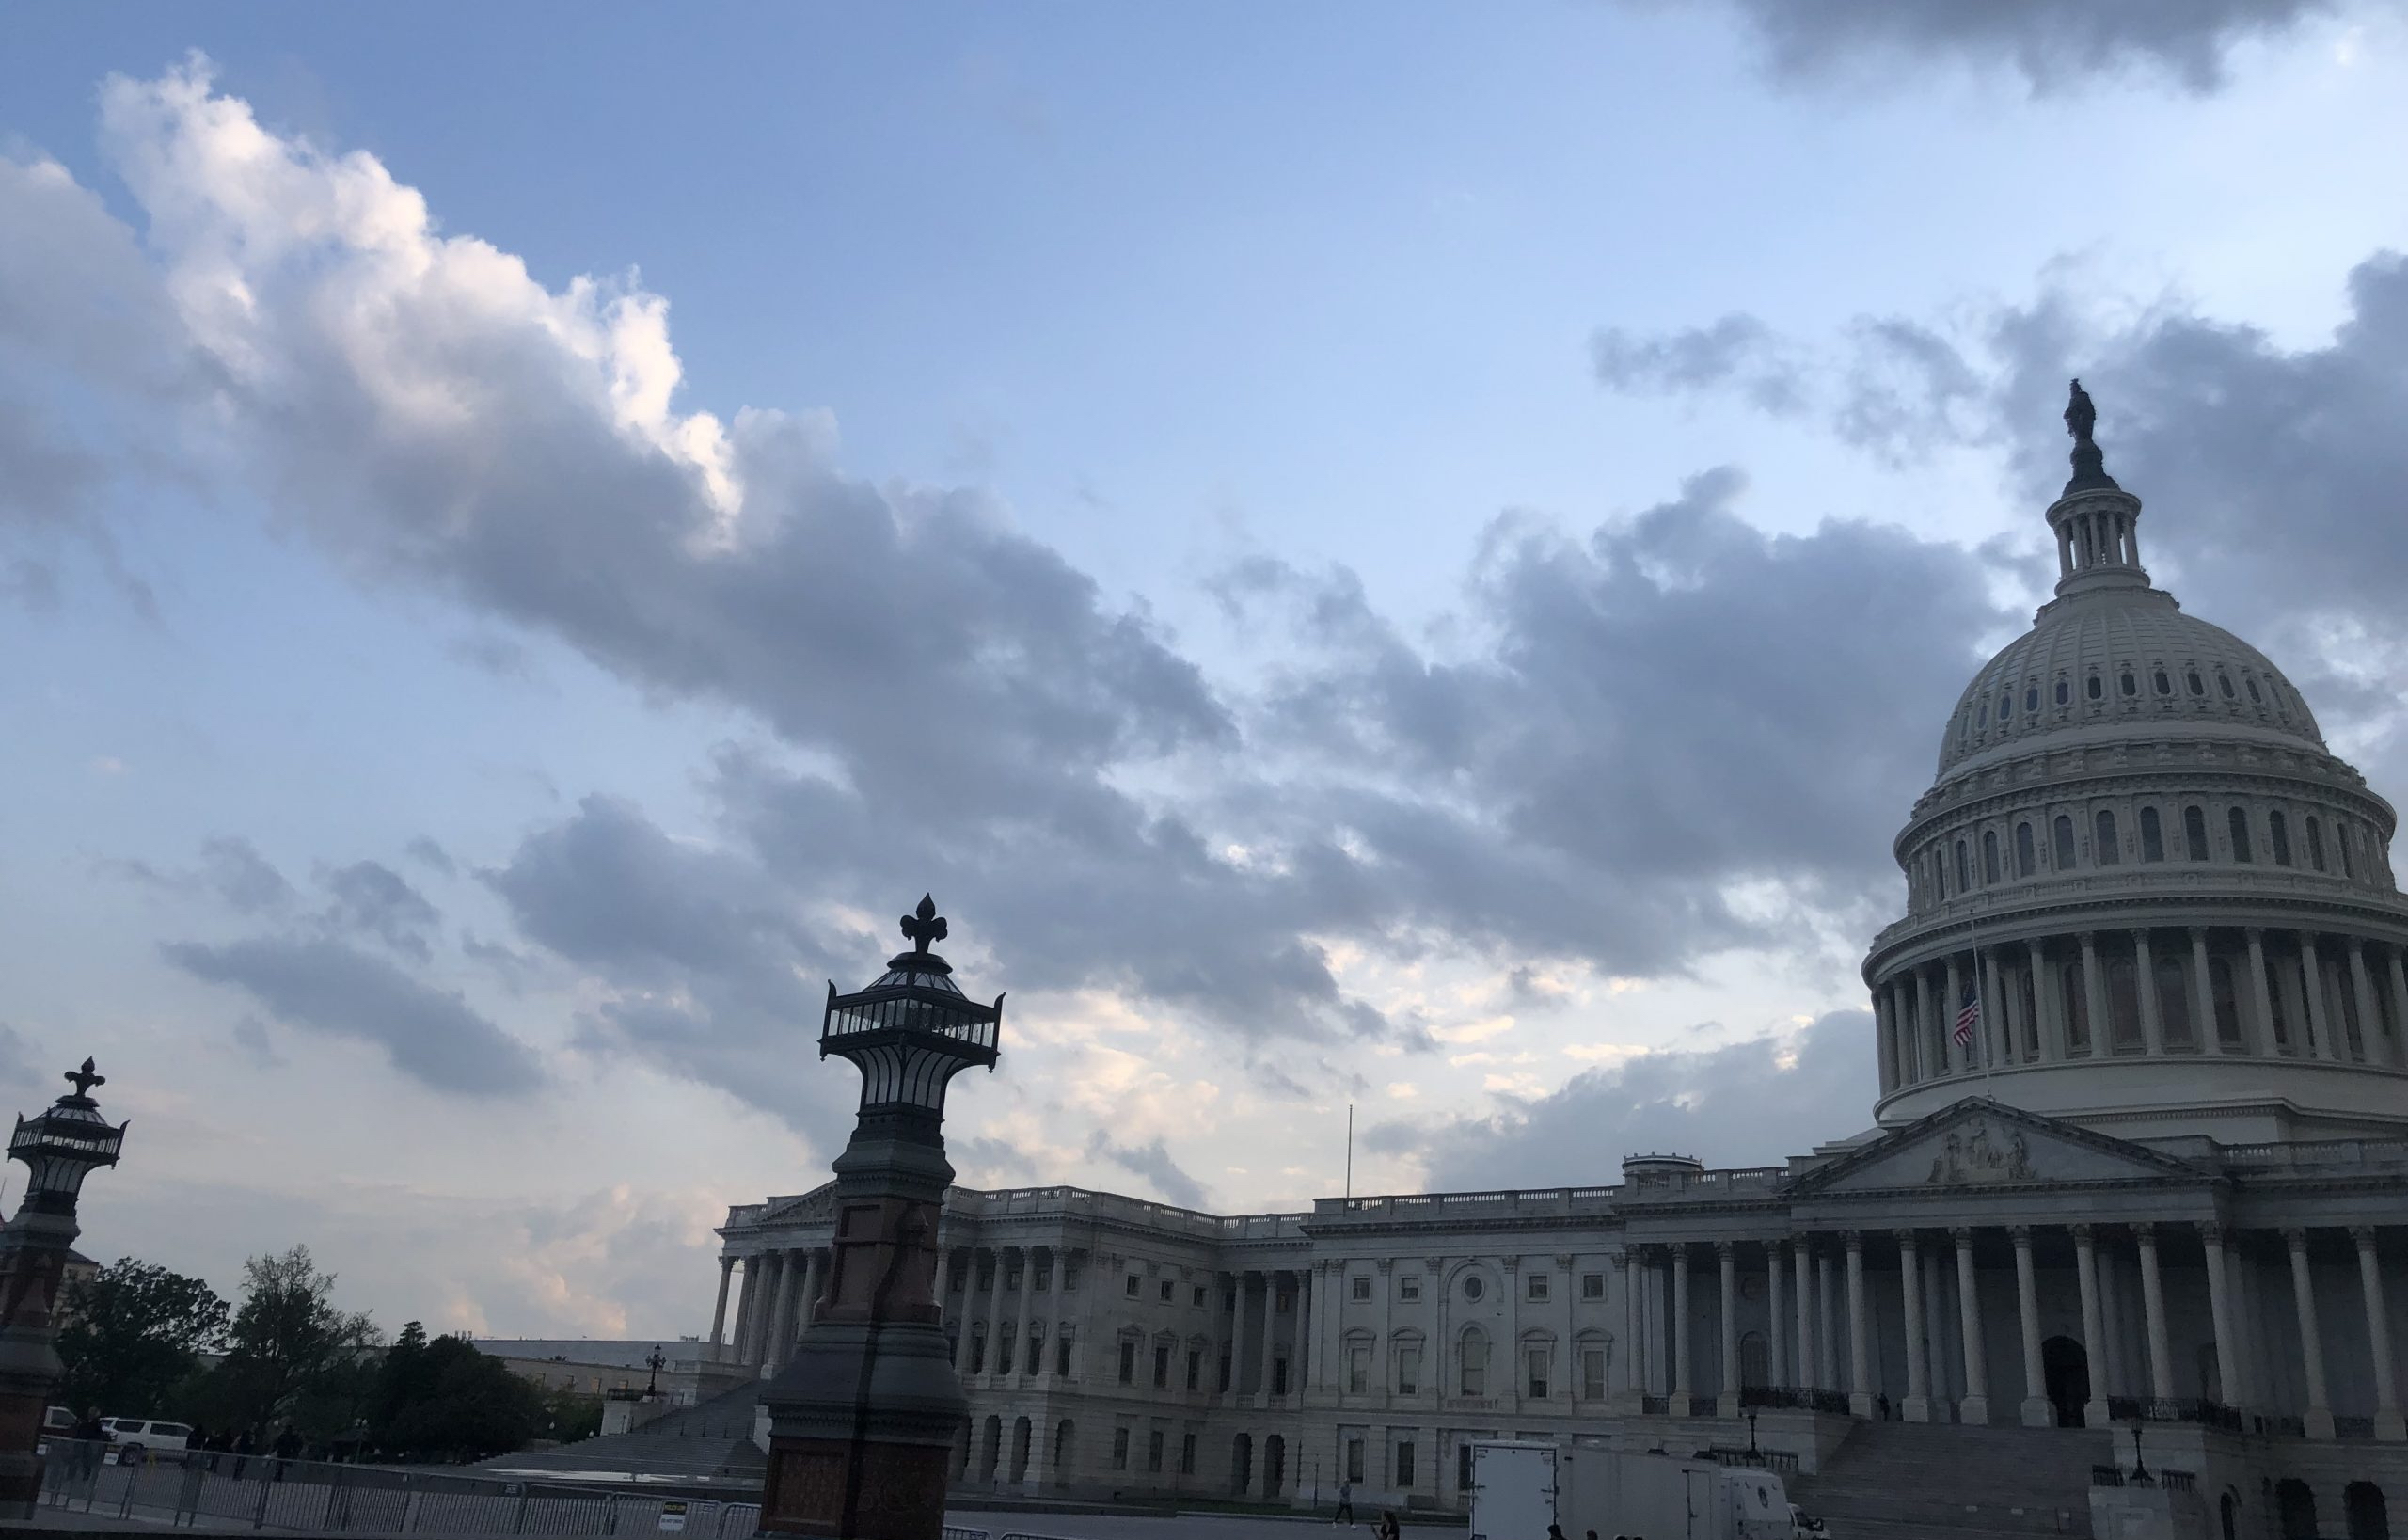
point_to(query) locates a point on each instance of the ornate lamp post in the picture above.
(864, 1417)
(60, 1149)
(653, 1362)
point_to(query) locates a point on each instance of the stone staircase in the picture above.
(711, 1441)
(1911, 1480)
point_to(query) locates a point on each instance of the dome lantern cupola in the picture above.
(2096, 522)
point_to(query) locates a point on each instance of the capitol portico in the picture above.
(2140, 1161)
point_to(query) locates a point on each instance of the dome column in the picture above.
(2257, 1034)
(1885, 1035)
(2093, 990)
(2045, 1005)
(2369, 1014)
(1925, 1068)
(2145, 980)
(2320, 1022)
(2398, 1020)
(1959, 1059)
(1993, 1026)
(2204, 1024)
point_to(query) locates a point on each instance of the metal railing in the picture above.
(267, 1493)
(2154, 1409)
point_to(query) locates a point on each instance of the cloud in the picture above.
(2053, 44)
(372, 898)
(1151, 1163)
(230, 870)
(431, 1035)
(427, 852)
(1753, 1103)
(1737, 350)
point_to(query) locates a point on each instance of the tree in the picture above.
(131, 1335)
(442, 1398)
(287, 1339)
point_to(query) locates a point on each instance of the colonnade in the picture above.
(775, 1305)
(2198, 989)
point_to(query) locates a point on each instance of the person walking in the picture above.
(1345, 1505)
(1387, 1528)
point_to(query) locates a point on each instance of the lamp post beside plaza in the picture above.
(60, 1149)
(864, 1417)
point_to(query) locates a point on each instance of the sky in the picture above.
(1387, 556)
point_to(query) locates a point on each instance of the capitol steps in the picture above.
(1893, 1480)
(705, 1442)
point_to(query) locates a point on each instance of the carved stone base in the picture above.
(2038, 1413)
(1975, 1409)
(2093, 1414)
(2319, 1423)
(854, 1491)
(863, 1425)
(1915, 1409)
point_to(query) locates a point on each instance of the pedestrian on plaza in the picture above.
(1387, 1528)
(1345, 1505)
(1885, 1405)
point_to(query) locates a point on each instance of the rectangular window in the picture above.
(1359, 1288)
(1003, 1352)
(1225, 1374)
(1120, 1449)
(1278, 1376)
(1154, 1450)
(1408, 1288)
(1354, 1461)
(1535, 1289)
(1132, 1290)
(1593, 1373)
(1062, 1353)
(1593, 1285)
(1187, 1455)
(1195, 1368)
(1463, 1467)
(1405, 1464)
(1359, 1369)
(1166, 1286)
(1408, 1371)
(1534, 1367)
(1128, 1363)
(1285, 1303)
(1201, 1296)
(1161, 1366)
(1230, 1302)
(1475, 1367)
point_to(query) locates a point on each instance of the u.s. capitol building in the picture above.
(2160, 1179)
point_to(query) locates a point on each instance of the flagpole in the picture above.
(1350, 1149)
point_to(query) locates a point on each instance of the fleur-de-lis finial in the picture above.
(924, 925)
(86, 1078)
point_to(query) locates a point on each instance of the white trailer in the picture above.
(1520, 1487)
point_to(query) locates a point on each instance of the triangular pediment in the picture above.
(818, 1203)
(1981, 1143)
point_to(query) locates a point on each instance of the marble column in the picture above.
(2144, 977)
(2094, 994)
(968, 1255)
(2220, 1314)
(2046, 1005)
(740, 1340)
(2387, 1421)
(2320, 1022)
(2161, 1361)
(2258, 1034)
(1916, 1407)
(2038, 1413)
(1317, 1287)
(1627, 1381)
(1682, 1388)
(1995, 1027)
(2204, 1025)
(1885, 1040)
(2369, 1014)
(1860, 1371)
(1271, 1330)
(1929, 1063)
(2094, 1330)
(1975, 1407)
(1959, 1059)
(2318, 1417)
(781, 1337)
(1807, 1378)
(1826, 1306)
(774, 1272)
(719, 1311)
(1726, 1258)
(995, 1315)
(1024, 1346)
(1777, 1315)
(2396, 1020)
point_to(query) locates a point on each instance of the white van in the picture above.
(132, 1437)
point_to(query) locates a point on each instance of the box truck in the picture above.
(1520, 1487)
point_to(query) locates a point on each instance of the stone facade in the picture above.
(2140, 1161)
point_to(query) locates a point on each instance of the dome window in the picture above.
(2064, 692)
(2198, 686)
(2131, 686)
(2255, 698)
(2165, 685)
(2108, 852)
(2024, 852)
(2194, 833)
(1982, 716)
(2005, 708)
(2238, 820)
(2032, 699)
(1964, 868)
(1990, 857)
(2064, 841)
(2152, 835)
(2279, 837)
(2224, 683)
(2342, 843)
(2314, 844)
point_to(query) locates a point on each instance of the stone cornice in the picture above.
(2050, 911)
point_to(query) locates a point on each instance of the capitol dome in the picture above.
(2141, 893)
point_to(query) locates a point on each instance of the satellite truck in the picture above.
(1518, 1487)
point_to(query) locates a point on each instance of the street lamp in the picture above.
(652, 1385)
(864, 1415)
(61, 1148)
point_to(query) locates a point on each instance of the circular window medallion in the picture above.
(1473, 1287)
(1751, 1287)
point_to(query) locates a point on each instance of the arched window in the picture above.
(2314, 844)
(2107, 853)
(2279, 837)
(2255, 698)
(2129, 684)
(1755, 1362)
(2024, 862)
(2031, 698)
(2064, 853)
(2342, 843)
(2165, 685)
(2152, 836)
(2074, 1002)
(2006, 709)
(2194, 833)
(2362, 1505)
(2092, 687)
(1964, 868)
(1989, 856)
(2238, 820)
(2064, 692)
(1473, 1362)
(2224, 683)
(2174, 997)
(2197, 685)
(1982, 715)
(2123, 1005)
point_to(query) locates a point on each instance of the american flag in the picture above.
(1969, 1016)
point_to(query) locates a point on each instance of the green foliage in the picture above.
(442, 1399)
(571, 1415)
(289, 1342)
(133, 1335)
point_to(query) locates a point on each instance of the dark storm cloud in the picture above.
(372, 898)
(319, 985)
(2052, 43)
(1754, 1103)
